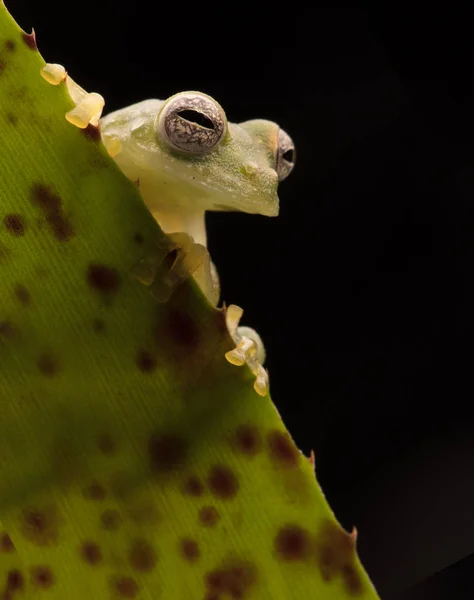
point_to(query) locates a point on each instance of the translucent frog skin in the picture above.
(188, 159)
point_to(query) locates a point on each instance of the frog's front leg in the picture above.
(176, 223)
(197, 262)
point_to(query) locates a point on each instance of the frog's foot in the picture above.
(88, 109)
(249, 349)
(166, 268)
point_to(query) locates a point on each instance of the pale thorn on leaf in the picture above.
(233, 315)
(354, 534)
(245, 349)
(53, 73)
(312, 459)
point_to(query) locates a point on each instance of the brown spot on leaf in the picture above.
(42, 576)
(222, 482)
(106, 444)
(111, 519)
(98, 325)
(125, 587)
(92, 133)
(247, 440)
(11, 118)
(145, 361)
(167, 452)
(22, 294)
(95, 491)
(182, 330)
(138, 238)
(51, 206)
(189, 549)
(30, 40)
(15, 583)
(292, 542)
(40, 525)
(7, 329)
(48, 365)
(91, 553)
(193, 486)
(282, 449)
(351, 580)
(234, 579)
(14, 224)
(335, 551)
(103, 279)
(142, 556)
(6, 544)
(209, 516)
(10, 45)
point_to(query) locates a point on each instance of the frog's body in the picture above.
(187, 159)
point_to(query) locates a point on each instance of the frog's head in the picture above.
(186, 154)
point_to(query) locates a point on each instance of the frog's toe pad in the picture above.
(53, 73)
(250, 333)
(261, 381)
(88, 111)
(249, 349)
(246, 349)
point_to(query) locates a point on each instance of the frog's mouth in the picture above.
(182, 192)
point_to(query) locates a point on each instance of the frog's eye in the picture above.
(191, 122)
(286, 155)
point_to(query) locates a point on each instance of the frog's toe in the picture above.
(248, 332)
(53, 73)
(245, 350)
(261, 381)
(249, 349)
(233, 315)
(87, 111)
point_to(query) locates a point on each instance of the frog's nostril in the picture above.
(193, 116)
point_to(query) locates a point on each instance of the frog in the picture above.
(187, 158)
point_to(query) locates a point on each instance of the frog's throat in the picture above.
(191, 222)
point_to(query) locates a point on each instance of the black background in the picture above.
(362, 289)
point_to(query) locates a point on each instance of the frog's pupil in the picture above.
(288, 155)
(193, 116)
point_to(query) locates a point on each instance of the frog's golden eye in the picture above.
(286, 155)
(191, 122)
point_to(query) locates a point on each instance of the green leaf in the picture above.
(135, 461)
